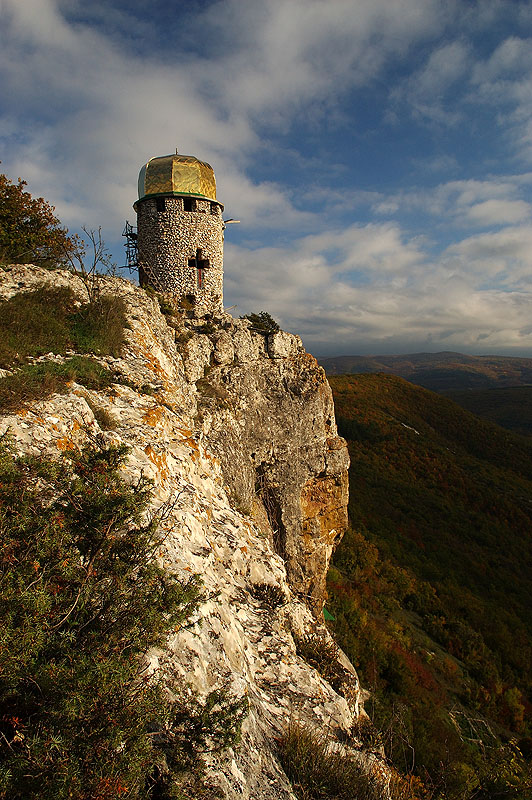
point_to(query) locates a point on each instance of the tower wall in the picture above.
(173, 244)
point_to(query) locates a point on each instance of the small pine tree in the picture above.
(263, 322)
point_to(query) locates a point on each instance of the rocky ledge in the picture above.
(236, 428)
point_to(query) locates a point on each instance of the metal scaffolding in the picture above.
(132, 257)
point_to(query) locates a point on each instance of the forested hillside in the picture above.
(510, 407)
(431, 590)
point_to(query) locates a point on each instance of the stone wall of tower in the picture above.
(168, 239)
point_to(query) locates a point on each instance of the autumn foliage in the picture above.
(431, 587)
(29, 230)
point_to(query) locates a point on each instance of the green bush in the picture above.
(263, 322)
(82, 599)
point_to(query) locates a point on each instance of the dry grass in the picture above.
(39, 381)
(319, 771)
(50, 319)
(320, 652)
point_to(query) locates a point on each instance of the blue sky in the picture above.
(377, 152)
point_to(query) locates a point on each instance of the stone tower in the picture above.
(180, 231)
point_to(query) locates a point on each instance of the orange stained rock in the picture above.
(323, 503)
(152, 415)
(65, 443)
(159, 460)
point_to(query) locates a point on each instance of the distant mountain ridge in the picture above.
(439, 372)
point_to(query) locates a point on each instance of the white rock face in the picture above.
(238, 641)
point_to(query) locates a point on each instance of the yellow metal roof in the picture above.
(177, 174)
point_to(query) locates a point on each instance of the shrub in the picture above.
(81, 600)
(270, 594)
(365, 731)
(165, 306)
(29, 231)
(210, 726)
(321, 652)
(263, 322)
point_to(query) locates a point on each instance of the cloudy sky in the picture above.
(377, 152)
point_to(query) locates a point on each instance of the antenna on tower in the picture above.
(176, 151)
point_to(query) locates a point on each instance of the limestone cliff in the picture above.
(266, 412)
(236, 428)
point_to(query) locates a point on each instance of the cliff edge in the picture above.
(235, 426)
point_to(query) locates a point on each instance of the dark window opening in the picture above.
(214, 209)
(161, 204)
(190, 298)
(189, 204)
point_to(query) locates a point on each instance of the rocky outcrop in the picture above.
(267, 413)
(236, 429)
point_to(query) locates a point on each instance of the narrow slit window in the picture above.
(189, 204)
(161, 204)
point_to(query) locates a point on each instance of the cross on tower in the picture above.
(201, 264)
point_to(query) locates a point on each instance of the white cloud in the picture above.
(493, 202)
(509, 60)
(499, 212)
(439, 303)
(93, 110)
(504, 81)
(506, 254)
(427, 92)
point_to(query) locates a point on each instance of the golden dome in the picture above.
(177, 174)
